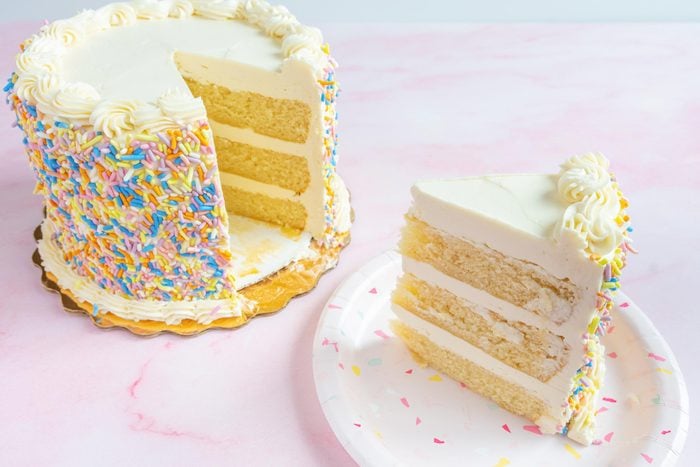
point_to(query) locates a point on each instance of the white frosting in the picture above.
(585, 182)
(216, 9)
(114, 117)
(74, 101)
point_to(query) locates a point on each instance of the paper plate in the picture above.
(386, 410)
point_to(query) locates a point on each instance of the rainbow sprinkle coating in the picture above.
(588, 378)
(329, 92)
(143, 217)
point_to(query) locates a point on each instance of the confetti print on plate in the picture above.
(387, 409)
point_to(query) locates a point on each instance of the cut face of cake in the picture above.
(507, 286)
(160, 133)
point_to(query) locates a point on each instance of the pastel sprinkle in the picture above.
(610, 399)
(356, 370)
(601, 410)
(608, 437)
(418, 421)
(462, 385)
(438, 441)
(532, 429)
(665, 432)
(658, 358)
(378, 434)
(381, 334)
(373, 290)
(572, 451)
(656, 399)
(333, 306)
(612, 355)
(409, 371)
(358, 425)
(502, 462)
(376, 361)
(341, 366)
(624, 305)
(435, 378)
(596, 442)
(647, 458)
(665, 371)
(404, 401)
(506, 427)
(326, 342)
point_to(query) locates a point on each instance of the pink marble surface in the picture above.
(419, 101)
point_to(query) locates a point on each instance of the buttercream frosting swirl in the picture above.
(152, 9)
(90, 22)
(118, 14)
(150, 119)
(74, 101)
(582, 176)
(256, 11)
(302, 37)
(113, 117)
(584, 181)
(181, 107)
(216, 9)
(181, 9)
(41, 55)
(47, 86)
(67, 31)
(280, 22)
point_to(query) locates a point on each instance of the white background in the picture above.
(426, 10)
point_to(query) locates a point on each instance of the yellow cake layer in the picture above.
(536, 352)
(264, 165)
(515, 281)
(284, 119)
(510, 396)
(284, 212)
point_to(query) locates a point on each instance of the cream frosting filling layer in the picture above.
(248, 136)
(171, 312)
(552, 393)
(254, 186)
(507, 310)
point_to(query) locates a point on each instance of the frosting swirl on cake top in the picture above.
(595, 213)
(40, 78)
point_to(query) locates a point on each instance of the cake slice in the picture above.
(507, 285)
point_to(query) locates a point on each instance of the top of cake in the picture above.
(68, 75)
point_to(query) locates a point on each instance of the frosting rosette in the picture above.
(114, 117)
(595, 205)
(117, 14)
(582, 176)
(181, 107)
(216, 9)
(181, 9)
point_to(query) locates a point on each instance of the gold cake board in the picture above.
(269, 295)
